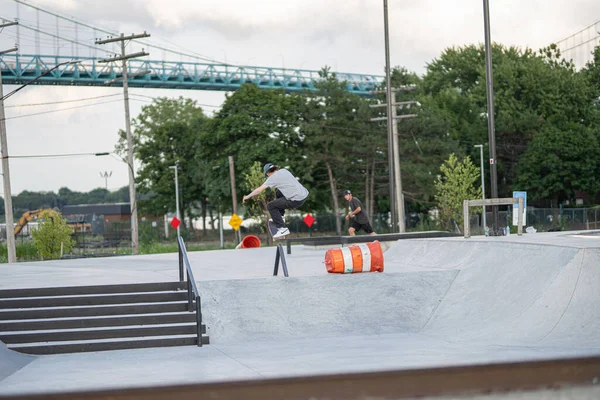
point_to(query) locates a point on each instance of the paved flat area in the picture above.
(440, 302)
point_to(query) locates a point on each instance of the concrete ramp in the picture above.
(11, 361)
(499, 293)
(511, 293)
(323, 306)
(440, 302)
(579, 320)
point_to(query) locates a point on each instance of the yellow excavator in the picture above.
(30, 215)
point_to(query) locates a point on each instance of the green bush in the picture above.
(52, 236)
(148, 234)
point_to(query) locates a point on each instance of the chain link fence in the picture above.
(115, 237)
(544, 219)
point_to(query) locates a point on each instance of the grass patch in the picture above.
(161, 248)
(26, 251)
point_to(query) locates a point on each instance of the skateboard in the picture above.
(273, 230)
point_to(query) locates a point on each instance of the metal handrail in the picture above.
(192, 288)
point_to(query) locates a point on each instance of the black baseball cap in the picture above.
(347, 192)
(267, 167)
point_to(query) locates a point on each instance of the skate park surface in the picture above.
(440, 302)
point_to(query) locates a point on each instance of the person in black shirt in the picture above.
(360, 220)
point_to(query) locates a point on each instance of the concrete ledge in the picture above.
(345, 240)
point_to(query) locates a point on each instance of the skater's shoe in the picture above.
(281, 232)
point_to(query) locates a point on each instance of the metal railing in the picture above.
(280, 257)
(192, 288)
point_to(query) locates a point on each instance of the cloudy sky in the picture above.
(307, 34)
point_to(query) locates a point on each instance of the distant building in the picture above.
(101, 217)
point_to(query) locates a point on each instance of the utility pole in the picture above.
(8, 208)
(395, 162)
(132, 194)
(490, 110)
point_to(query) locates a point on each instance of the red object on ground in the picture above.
(353, 259)
(309, 220)
(250, 241)
(175, 222)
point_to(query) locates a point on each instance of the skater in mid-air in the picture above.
(293, 195)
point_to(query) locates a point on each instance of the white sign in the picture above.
(515, 213)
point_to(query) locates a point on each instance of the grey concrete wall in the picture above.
(11, 361)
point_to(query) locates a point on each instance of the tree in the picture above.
(165, 134)
(253, 125)
(532, 91)
(257, 206)
(52, 238)
(424, 141)
(336, 135)
(456, 184)
(592, 73)
(560, 162)
(28, 201)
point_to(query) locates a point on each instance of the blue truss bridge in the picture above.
(45, 39)
(22, 68)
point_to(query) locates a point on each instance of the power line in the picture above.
(579, 31)
(63, 38)
(62, 109)
(422, 135)
(409, 135)
(60, 155)
(64, 101)
(154, 98)
(102, 30)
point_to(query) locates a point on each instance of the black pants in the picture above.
(358, 226)
(278, 206)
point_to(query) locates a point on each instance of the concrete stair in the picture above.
(97, 318)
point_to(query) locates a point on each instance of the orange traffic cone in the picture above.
(248, 242)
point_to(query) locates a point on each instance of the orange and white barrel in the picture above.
(366, 257)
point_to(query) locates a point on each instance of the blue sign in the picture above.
(515, 213)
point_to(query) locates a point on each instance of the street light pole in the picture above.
(176, 197)
(390, 120)
(490, 110)
(106, 175)
(482, 182)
